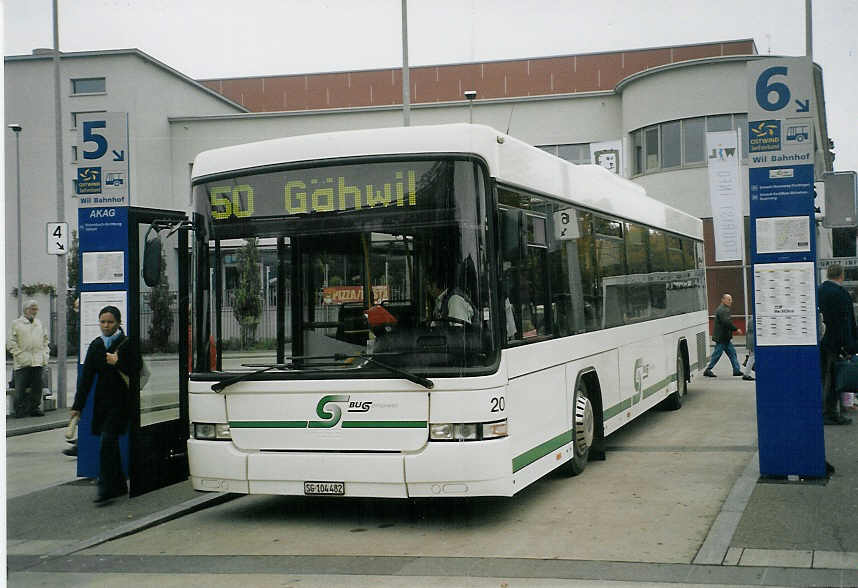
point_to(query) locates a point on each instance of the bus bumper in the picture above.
(217, 466)
(479, 468)
(471, 468)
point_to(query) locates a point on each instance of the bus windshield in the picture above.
(319, 267)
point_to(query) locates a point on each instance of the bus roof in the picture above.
(510, 161)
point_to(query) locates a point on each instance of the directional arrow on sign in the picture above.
(58, 238)
(120, 155)
(802, 106)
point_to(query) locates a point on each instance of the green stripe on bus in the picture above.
(613, 411)
(617, 408)
(268, 424)
(530, 456)
(345, 425)
(650, 390)
(384, 424)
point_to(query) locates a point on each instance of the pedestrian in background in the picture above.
(723, 335)
(116, 362)
(750, 360)
(28, 343)
(840, 339)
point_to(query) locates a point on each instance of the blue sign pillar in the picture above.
(783, 257)
(103, 231)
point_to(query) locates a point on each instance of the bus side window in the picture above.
(510, 245)
(611, 266)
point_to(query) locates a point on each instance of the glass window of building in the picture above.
(577, 153)
(681, 143)
(652, 148)
(637, 152)
(88, 86)
(693, 139)
(721, 122)
(573, 152)
(671, 144)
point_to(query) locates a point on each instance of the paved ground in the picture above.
(677, 501)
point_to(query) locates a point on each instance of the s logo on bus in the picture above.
(332, 414)
(330, 419)
(638, 380)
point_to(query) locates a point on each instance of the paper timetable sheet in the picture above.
(785, 304)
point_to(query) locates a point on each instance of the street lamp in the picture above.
(470, 95)
(16, 128)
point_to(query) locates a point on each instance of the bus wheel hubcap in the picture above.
(583, 423)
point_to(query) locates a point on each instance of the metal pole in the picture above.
(406, 78)
(745, 267)
(471, 111)
(808, 28)
(62, 275)
(20, 236)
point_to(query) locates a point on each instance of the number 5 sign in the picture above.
(102, 159)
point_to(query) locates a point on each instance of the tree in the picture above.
(73, 311)
(247, 305)
(160, 301)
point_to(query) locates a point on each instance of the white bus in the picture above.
(580, 305)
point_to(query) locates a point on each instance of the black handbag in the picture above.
(846, 375)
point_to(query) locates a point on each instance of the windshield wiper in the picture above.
(425, 382)
(233, 379)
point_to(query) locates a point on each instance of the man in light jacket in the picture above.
(29, 346)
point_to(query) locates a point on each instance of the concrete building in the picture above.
(99, 81)
(655, 105)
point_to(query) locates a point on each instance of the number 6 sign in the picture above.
(779, 88)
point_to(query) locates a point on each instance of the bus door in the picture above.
(158, 324)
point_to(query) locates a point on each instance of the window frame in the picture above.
(75, 81)
(639, 147)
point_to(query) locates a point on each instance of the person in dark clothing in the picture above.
(450, 303)
(840, 339)
(723, 335)
(113, 358)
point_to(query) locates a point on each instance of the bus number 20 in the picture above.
(498, 404)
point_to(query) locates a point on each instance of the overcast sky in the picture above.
(224, 38)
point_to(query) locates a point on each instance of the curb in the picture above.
(152, 520)
(36, 428)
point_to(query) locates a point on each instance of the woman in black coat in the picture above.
(113, 358)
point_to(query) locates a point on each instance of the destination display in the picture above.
(328, 189)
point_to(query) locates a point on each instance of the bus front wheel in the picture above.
(582, 431)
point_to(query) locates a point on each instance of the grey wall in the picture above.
(147, 91)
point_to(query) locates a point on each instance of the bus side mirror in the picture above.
(152, 259)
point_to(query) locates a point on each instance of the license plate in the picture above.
(335, 488)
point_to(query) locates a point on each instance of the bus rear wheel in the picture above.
(582, 431)
(674, 401)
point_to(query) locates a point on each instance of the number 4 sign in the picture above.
(58, 238)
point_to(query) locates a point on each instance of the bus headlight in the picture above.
(467, 431)
(212, 431)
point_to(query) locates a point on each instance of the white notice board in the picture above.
(103, 267)
(783, 234)
(785, 304)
